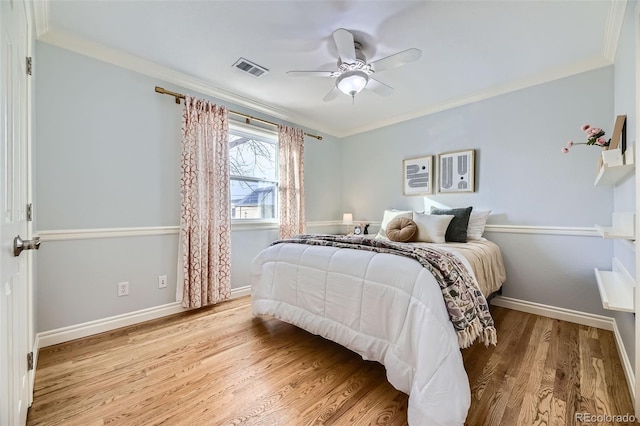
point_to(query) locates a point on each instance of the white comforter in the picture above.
(385, 307)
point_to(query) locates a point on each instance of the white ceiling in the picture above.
(471, 49)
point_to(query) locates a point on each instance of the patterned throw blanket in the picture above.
(468, 309)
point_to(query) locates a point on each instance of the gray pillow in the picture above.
(457, 230)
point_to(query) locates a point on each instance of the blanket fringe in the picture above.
(474, 331)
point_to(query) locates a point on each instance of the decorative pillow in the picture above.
(431, 228)
(477, 222)
(457, 230)
(401, 229)
(389, 215)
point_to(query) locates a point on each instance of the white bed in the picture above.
(385, 307)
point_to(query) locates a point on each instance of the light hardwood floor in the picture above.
(219, 366)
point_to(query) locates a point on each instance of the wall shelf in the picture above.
(616, 288)
(623, 227)
(622, 165)
(610, 175)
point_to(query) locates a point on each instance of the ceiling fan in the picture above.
(354, 73)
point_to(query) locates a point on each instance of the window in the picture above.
(253, 168)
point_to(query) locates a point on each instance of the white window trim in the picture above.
(266, 133)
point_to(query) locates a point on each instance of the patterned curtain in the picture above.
(205, 221)
(291, 189)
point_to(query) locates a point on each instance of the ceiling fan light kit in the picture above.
(352, 82)
(354, 73)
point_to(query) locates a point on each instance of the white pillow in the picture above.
(389, 215)
(477, 222)
(431, 228)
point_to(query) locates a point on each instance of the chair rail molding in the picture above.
(140, 231)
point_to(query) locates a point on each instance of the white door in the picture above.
(16, 339)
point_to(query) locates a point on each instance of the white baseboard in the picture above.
(240, 292)
(582, 318)
(72, 332)
(625, 361)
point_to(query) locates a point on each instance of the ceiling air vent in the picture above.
(250, 67)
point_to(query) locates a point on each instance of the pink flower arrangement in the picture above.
(594, 137)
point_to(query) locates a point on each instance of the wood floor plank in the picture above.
(546, 401)
(567, 383)
(529, 409)
(524, 355)
(587, 375)
(489, 393)
(559, 412)
(371, 405)
(220, 366)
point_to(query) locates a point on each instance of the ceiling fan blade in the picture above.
(344, 43)
(379, 87)
(396, 60)
(333, 93)
(310, 73)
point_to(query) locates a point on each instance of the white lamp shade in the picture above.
(352, 82)
(347, 219)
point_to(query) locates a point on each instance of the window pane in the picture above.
(253, 200)
(252, 157)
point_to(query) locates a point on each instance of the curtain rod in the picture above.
(247, 117)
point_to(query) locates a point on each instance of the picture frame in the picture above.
(456, 171)
(417, 175)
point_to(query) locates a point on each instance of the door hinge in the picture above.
(30, 361)
(29, 212)
(29, 65)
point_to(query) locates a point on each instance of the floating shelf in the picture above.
(616, 289)
(610, 175)
(623, 227)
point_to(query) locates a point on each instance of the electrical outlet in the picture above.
(123, 288)
(162, 281)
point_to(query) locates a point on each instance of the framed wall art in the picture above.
(456, 171)
(417, 175)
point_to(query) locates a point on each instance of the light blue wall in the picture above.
(625, 191)
(107, 156)
(624, 103)
(522, 176)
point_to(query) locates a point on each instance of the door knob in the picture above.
(19, 244)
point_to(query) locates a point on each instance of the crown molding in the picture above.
(134, 63)
(120, 58)
(530, 81)
(613, 28)
(41, 16)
